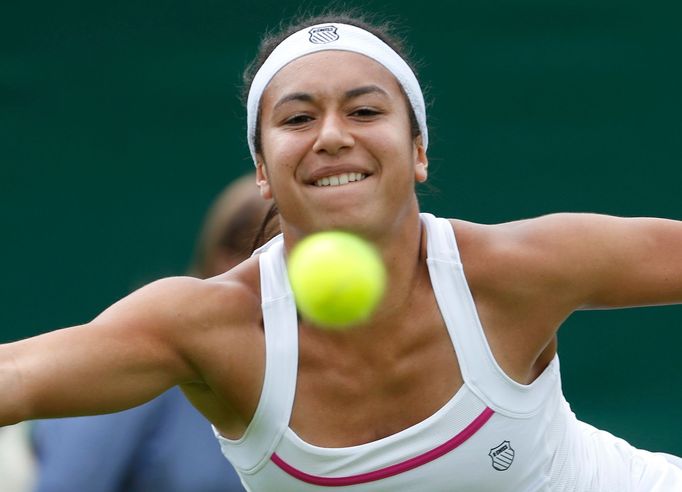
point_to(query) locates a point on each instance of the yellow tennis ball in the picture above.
(338, 279)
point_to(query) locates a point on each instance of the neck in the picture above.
(403, 249)
(404, 257)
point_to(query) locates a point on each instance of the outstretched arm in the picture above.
(528, 276)
(601, 261)
(126, 356)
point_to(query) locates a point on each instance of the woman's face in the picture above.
(337, 150)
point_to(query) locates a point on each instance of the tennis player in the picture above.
(454, 383)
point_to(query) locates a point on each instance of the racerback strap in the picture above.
(479, 368)
(254, 448)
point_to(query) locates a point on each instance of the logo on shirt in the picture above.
(502, 456)
(323, 34)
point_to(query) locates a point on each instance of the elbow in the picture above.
(14, 407)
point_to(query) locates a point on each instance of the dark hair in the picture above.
(229, 226)
(383, 29)
(268, 229)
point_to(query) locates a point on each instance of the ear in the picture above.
(421, 162)
(262, 178)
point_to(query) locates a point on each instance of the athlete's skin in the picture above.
(377, 379)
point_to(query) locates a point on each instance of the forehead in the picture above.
(327, 72)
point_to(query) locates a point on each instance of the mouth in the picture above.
(339, 179)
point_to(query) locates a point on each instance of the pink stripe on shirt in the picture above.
(391, 470)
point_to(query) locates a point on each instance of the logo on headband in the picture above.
(323, 34)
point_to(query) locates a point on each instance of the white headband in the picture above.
(341, 37)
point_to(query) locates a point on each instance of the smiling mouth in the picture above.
(340, 179)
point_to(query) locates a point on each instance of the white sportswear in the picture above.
(493, 435)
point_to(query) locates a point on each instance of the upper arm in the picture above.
(126, 356)
(593, 261)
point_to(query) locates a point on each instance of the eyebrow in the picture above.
(361, 91)
(350, 94)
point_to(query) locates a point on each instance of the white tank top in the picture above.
(493, 435)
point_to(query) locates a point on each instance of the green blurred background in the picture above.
(119, 122)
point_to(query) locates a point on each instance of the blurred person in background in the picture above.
(165, 444)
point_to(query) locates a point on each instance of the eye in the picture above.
(365, 112)
(298, 119)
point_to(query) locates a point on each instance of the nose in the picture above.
(333, 135)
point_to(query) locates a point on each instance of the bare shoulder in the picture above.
(537, 230)
(537, 249)
(520, 277)
(586, 259)
(537, 245)
(176, 304)
(528, 276)
(175, 331)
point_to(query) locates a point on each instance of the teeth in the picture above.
(340, 179)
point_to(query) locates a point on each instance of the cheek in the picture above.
(383, 142)
(282, 149)
(395, 140)
(397, 150)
